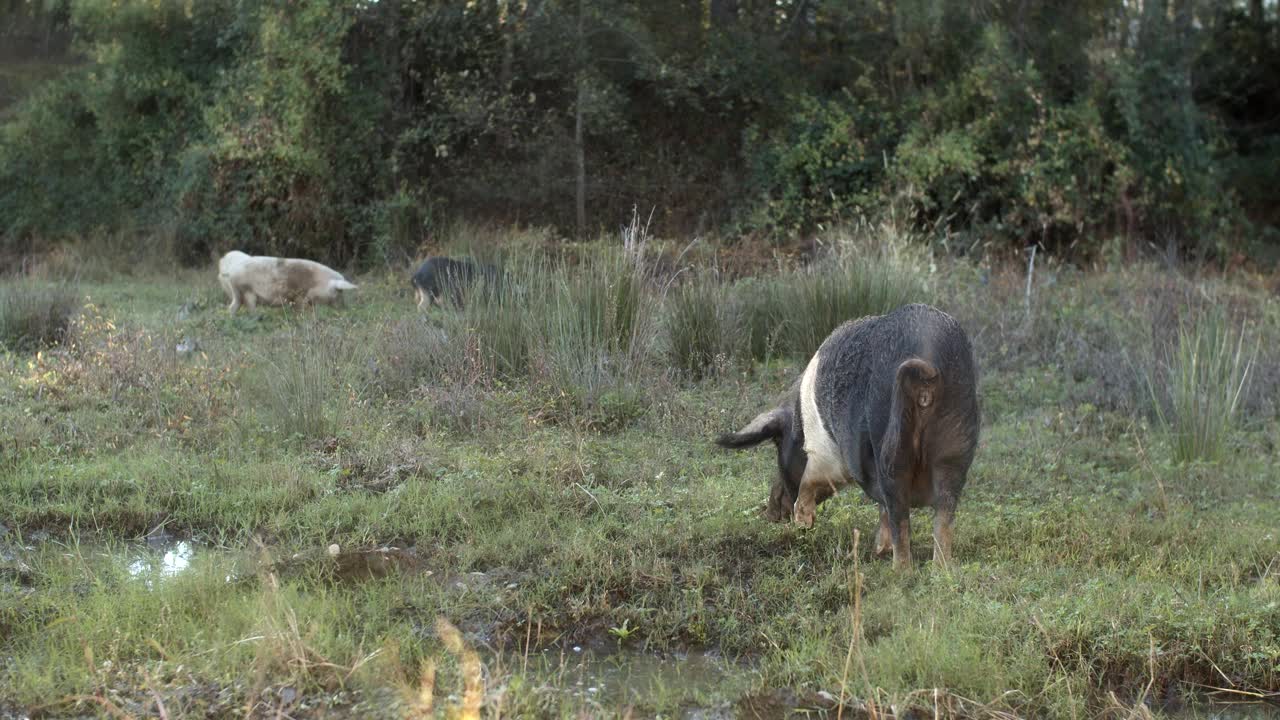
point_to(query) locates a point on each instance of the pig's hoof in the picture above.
(803, 516)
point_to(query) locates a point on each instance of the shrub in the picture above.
(826, 161)
(959, 160)
(34, 316)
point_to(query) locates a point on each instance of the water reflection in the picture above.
(151, 565)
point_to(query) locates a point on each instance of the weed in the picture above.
(623, 632)
(407, 353)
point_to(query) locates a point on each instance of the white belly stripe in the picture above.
(823, 457)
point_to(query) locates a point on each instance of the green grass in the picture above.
(547, 502)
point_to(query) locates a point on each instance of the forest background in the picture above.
(352, 131)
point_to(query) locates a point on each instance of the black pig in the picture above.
(441, 276)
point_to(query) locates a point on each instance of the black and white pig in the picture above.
(889, 402)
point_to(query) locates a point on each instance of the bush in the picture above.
(961, 158)
(826, 162)
(34, 316)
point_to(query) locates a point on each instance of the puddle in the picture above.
(169, 561)
(703, 684)
(692, 685)
(1229, 711)
(358, 565)
(164, 557)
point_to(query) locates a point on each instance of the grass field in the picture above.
(369, 512)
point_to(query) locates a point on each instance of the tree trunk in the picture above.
(580, 156)
(798, 19)
(508, 20)
(1255, 11)
(723, 13)
(1182, 22)
(507, 26)
(1122, 26)
(1153, 25)
(580, 195)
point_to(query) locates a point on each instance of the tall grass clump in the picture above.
(758, 317)
(497, 315)
(1196, 391)
(33, 316)
(704, 331)
(593, 323)
(409, 353)
(435, 362)
(580, 328)
(300, 383)
(792, 313)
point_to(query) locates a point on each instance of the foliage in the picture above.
(1234, 71)
(281, 165)
(826, 163)
(355, 132)
(994, 151)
